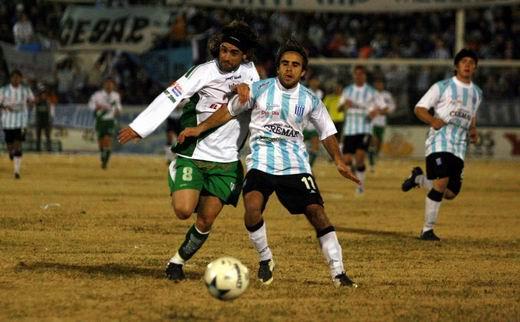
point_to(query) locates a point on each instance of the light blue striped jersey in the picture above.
(15, 112)
(278, 116)
(456, 103)
(364, 100)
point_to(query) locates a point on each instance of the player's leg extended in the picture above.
(254, 203)
(432, 206)
(329, 243)
(360, 168)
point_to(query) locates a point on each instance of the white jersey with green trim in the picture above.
(456, 103)
(210, 88)
(278, 117)
(364, 100)
(388, 101)
(110, 103)
(15, 112)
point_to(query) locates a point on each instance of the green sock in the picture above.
(312, 157)
(371, 156)
(193, 242)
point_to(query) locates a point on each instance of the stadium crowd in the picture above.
(35, 25)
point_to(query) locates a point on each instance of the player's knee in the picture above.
(449, 195)
(182, 212)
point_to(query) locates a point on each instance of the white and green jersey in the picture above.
(208, 88)
(110, 102)
(364, 100)
(278, 117)
(387, 100)
(15, 112)
(455, 103)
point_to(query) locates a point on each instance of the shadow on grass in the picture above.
(363, 231)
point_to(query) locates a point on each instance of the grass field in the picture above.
(79, 243)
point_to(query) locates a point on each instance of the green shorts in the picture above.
(105, 127)
(223, 180)
(378, 132)
(307, 135)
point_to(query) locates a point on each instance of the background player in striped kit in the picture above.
(455, 102)
(379, 122)
(15, 100)
(360, 103)
(106, 104)
(207, 173)
(280, 107)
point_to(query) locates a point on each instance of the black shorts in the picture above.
(173, 125)
(13, 135)
(351, 143)
(295, 191)
(443, 165)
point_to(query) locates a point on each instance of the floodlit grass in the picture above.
(80, 243)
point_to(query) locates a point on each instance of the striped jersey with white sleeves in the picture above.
(356, 117)
(278, 117)
(456, 103)
(15, 113)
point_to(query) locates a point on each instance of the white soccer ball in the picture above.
(226, 278)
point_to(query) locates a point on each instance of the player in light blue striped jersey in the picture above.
(15, 100)
(453, 124)
(361, 105)
(278, 161)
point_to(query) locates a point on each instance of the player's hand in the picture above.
(373, 114)
(345, 171)
(127, 134)
(243, 93)
(473, 135)
(188, 132)
(348, 104)
(437, 124)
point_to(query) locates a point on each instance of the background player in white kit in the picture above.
(379, 122)
(106, 104)
(207, 172)
(360, 103)
(278, 162)
(455, 102)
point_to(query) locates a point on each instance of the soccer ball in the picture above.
(226, 278)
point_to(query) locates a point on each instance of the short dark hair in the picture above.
(237, 33)
(465, 53)
(292, 45)
(16, 72)
(360, 67)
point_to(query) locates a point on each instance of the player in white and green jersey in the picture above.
(280, 107)
(106, 104)
(453, 124)
(361, 105)
(207, 173)
(15, 100)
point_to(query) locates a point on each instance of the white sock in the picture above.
(177, 259)
(17, 164)
(361, 177)
(259, 240)
(333, 254)
(423, 182)
(431, 211)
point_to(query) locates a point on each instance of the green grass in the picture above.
(99, 248)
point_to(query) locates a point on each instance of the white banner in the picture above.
(34, 65)
(346, 5)
(130, 29)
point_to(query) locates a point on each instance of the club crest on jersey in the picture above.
(299, 109)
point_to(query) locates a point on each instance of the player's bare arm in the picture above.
(332, 147)
(423, 115)
(473, 134)
(243, 93)
(127, 134)
(220, 117)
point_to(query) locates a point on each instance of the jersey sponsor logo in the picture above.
(267, 113)
(271, 105)
(461, 114)
(299, 109)
(281, 130)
